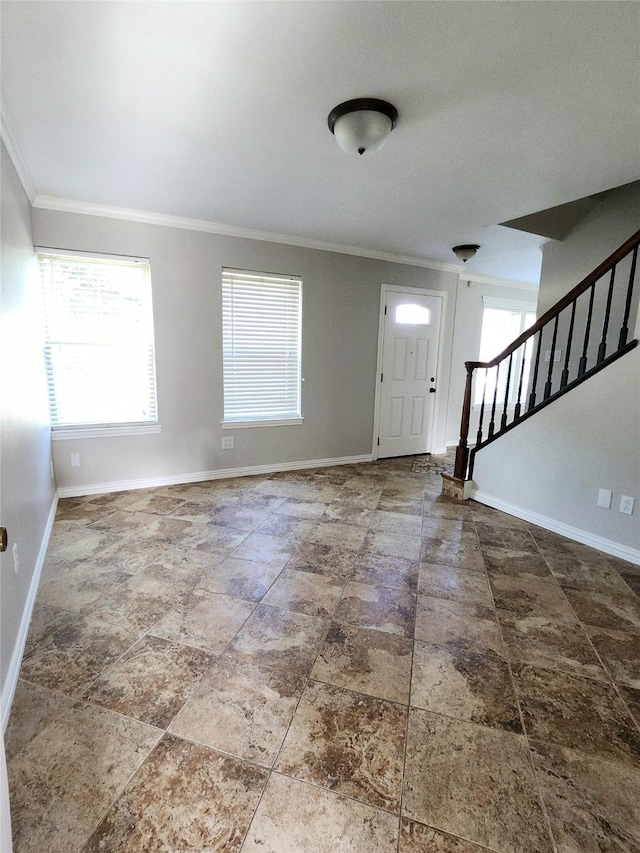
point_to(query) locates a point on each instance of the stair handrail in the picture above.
(461, 469)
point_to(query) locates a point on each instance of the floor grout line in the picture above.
(427, 497)
(525, 734)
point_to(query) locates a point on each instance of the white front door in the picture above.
(409, 372)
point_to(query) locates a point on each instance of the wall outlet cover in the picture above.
(626, 504)
(75, 460)
(227, 442)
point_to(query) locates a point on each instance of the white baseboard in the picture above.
(11, 681)
(631, 555)
(201, 476)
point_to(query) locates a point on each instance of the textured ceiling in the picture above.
(217, 111)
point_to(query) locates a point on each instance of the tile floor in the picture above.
(322, 661)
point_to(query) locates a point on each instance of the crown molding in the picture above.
(67, 205)
(9, 139)
(501, 282)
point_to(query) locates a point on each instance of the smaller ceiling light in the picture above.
(464, 253)
(363, 124)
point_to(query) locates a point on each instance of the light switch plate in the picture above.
(604, 498)
(227, 442)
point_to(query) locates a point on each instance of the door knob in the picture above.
(3, 538)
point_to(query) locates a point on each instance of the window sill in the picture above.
(265, 423)
(104, 431)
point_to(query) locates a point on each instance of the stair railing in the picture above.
(519, 381)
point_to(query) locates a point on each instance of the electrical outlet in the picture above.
(16, 561)
(227, 442)
(604, 498)
(626, 504)
(75, 460)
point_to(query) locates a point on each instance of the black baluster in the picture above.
(564, 377)
(503, 420)
(492, 424)
(523, 358)
(547, 384)
(624, 331)
(484, 391)
(532, 395)
(602, 349)
(582, 366)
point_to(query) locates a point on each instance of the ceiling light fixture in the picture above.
(465, 252)
(363, 124)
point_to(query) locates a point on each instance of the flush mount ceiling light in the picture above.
(363, 124)
(464, 253)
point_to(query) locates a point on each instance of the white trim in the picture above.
(19, 164)
(264, 423)
(632, 555)
(508, 304)
(376, 399)
(11, 680)
(201, 476)
(395, 288)
(67, 205)
(104, 431)
(500, 282)
(94, 256)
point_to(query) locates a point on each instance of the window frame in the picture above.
(106, 428)
(228, 273)
(524, 307)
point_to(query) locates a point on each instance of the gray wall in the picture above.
(26, 486)
(341, 295)
(555, 462)
(566, 263)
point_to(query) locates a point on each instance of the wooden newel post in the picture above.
(462, 450)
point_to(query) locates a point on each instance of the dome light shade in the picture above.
(465, 252)
(363, 124)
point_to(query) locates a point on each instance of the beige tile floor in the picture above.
(323, 661)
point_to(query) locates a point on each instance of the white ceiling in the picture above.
(217, 111)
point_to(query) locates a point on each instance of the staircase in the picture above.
(582, 334)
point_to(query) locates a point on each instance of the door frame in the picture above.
(418, 291)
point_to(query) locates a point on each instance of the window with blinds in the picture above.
(502, 322)
(98, 350)
(261, 322)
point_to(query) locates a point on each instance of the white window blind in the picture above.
(98, 352)
(261, 320)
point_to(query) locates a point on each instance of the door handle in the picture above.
(432, 390)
